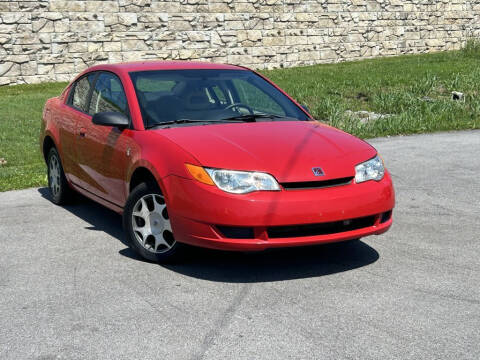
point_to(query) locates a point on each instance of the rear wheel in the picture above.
(147, 224)
(57, 182)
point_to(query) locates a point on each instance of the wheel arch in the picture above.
(48, 143)
(143, 173)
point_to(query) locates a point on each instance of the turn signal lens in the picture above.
(199, 174)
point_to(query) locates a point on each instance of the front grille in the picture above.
(302, 185)
(320, 228)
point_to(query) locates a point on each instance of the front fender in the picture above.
(159, 155)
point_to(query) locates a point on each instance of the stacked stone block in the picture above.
(51, 40)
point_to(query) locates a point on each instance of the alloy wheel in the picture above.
(54, 175)
(151, 224)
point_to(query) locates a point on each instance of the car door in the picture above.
(74, 115)
(102, 150)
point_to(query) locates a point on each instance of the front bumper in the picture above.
(198, 212)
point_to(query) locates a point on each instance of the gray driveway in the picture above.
(71, 289)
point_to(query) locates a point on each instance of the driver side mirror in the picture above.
(114, 119)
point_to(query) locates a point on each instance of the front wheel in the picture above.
(147, 225)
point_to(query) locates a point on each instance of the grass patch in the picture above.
(472, 48)
(20, 115)
(416, 89)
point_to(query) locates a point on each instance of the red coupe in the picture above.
(210, 155)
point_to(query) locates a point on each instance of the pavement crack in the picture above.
(222, 322)
(447, 296)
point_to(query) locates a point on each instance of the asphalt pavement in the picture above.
(71, 289)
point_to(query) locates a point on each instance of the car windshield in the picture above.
(194, 97)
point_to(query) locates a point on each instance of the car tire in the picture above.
(60, 191)
(147, 225)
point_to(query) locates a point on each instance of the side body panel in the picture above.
(102, 153)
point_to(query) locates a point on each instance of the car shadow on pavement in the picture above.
(276, 265)
(99, 217)
(238, 267)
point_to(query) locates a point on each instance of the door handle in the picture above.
(82, 133)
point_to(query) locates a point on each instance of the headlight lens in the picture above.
(242, 182)
(372, 169)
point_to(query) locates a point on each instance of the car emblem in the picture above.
(317, 171)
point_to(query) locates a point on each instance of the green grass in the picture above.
(395, 86)
(20, 114)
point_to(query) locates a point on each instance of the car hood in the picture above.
(286, 149)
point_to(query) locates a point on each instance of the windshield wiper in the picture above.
(239, 118)
(254, 117)
(184, 121)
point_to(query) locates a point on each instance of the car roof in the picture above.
(163, 65)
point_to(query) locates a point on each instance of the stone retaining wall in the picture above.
(51, 40)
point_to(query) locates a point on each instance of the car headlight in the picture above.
(372, 169)
(242, 182)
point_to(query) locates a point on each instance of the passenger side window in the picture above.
(81, 92)
(257, 99)
(108, 95)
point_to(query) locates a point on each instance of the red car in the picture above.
(210, 155)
